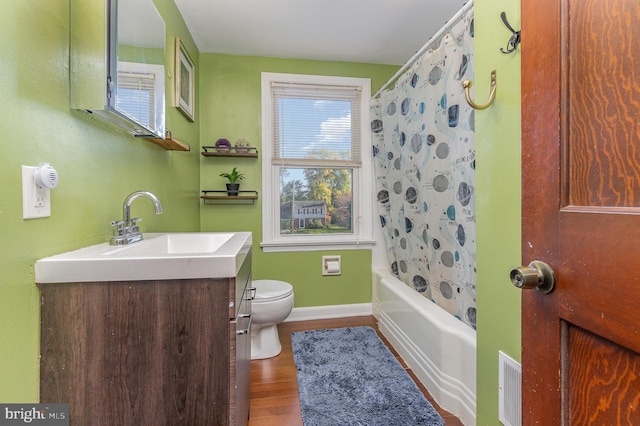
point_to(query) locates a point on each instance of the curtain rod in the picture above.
(447, 26)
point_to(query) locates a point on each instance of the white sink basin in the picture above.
(172, 243)
(156, 257)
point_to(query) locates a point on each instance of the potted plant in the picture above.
(234, 177)
(242, 146)
(223, 145)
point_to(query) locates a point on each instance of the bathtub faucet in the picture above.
(127, 231)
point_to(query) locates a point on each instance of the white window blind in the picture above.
(296, 141)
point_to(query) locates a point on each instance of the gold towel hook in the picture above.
(466, 84)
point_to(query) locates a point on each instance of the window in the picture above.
(317, 175)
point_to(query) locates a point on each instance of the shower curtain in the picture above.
(424, 158)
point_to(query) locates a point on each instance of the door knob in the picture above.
(537, 275)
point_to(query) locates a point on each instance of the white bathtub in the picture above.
(440, 349)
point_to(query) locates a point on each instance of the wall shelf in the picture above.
(244, 196)
(171, 144)
(234, 151)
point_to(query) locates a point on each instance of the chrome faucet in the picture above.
(127, 231)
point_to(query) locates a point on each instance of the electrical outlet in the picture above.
(36, 201)
(40, 196)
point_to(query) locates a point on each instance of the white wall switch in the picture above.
(36, 201)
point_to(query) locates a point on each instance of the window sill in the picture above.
(288, 246)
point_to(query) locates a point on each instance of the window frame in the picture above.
(362, 191)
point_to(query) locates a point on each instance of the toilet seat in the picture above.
(269, 290)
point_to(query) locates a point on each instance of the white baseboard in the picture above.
(331, 311)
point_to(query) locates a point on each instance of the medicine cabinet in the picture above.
(117, 63)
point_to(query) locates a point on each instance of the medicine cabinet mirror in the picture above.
(117, 50)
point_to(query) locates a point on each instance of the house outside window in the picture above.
(305, 212)
(317, 174)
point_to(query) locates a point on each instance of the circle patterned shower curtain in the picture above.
(424, 157)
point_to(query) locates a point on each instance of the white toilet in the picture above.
(271, 305)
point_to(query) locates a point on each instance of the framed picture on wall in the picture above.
(185, 81)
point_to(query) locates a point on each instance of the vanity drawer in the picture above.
(237, 290)
(243, 320)
(240, 342)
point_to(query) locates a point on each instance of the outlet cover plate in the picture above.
(36, 201)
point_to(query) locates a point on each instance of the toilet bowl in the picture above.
(271, 305)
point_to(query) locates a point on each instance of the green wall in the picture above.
(98, 168)
(497, 198)
(230, 108)
(145, 55)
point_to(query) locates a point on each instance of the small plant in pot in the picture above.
(223, 145)
(242, 146)
(234, 181)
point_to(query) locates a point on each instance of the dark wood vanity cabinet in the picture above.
(174, 352)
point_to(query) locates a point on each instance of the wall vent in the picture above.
(509, 391)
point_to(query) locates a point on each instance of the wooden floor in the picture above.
(274, 387)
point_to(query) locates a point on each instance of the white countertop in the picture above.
(159, 256)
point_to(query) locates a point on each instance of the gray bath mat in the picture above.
(347, 376)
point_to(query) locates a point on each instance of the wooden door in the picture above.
(581, 210)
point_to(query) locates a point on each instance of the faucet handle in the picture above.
(134, 225)
(119, 227)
